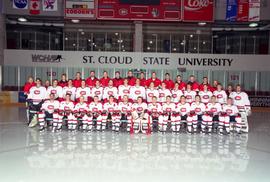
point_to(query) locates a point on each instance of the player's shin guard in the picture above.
(238, 120)
(244, 120)
(55, 121)
(163, 124)
(204, 123)
(103, 122)
(189, 123)
(210, 123)
(99, 124)
(136, 125)
(195, 123)
(227, 123)
(85, 122)
(41, 120)
(70, 120)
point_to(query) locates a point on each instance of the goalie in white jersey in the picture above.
(125, 110)
(213, 110)
(48, 115)
(140, 117)
(111, 114)
(154, 111)
(241, 100)
(151, 92)
(197, 111)
(66, 109)
(94, 113)
(169, 114)
(183, 110)
(163, 93)
(220, 95)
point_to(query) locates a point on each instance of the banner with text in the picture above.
(80, 9)
(231, 12)
(254, 10)
(243, 10)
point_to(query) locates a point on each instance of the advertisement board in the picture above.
(80, 9)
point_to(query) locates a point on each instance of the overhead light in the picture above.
(22, 19)
(75, 21)
(82, 33)
(202, 23)
(124, 50)
(203, 42)
(116, 33)
(66, 38)
(74, 45)
(150, 42)
(174, 49)
(195, 48)
(191, 35)
(148, 48)
(89, 40)
(253, 25)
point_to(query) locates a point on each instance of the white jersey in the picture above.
(50, 106)
(198, 108)
(124, 107)
(205, 96)
(95, 107)
(221, 96)
(184, 109)
(69, 90)
(57, 91)
(230, 110)
(171, 107)
(37, 94)
(123, 90)
(136, 92)
(176, 94)
(66, 106)
(97, 91)
(154, 108)
(241, 100)
(81, 107)
(110, 107)
(214, 108)
(190, 96)
(139, 108)
(150, 93)
(85, 92)
(110, 91)
(163, 93)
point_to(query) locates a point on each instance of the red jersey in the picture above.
(91, 82)
(131, 81)
(194, 86)
(28, 86)
(62, 83)
(208, 87)
(143, 82)
(77, 83)
(182, 86)
(156, 81)
(169, 84)
(117, 82)
(104, 81)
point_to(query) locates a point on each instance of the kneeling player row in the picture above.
(139, 116)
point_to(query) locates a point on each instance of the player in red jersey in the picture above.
(131, 78)
(154, 79)
(194, 84)
(117, 81)
(182, 85)
(77, 82)
(91, 80)
(142, 79)
(168, 81)
(63, 82)
(105, 79)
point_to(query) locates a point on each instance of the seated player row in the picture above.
(139, 116)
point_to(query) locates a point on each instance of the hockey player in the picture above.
(154, 111)
(137, 91)
(69, 90)
(83, 91)
(151, 92)
(35, 99)
(197, 111)
(56, 90)
(26, 89)
(123, 90)
(163, 93)
(183, 108)
(109, 91)
(241, 100)
(189, 94)
(91, 80)
(95, 110)
(48, 115)
(111, 114)
(220, 95)
(176, 93)
(140, 117)
(181, 84)
(205, 94)
(154, 79)
(230, 113)
(169, 114)
(213, 110)
(79, 116)
(97, 91)
(65, 110)
(169, 83)
(125, 110)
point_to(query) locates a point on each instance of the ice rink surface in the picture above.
(29, 156)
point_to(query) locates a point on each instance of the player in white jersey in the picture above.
(213, 110)
(110, 114)
(97, 91)
(220, 95)
(205, 94)
(48, 115)
(56, 90)
(35, 99)
(83, 91)
(154, 110)
(66, 108)
(151, 92)
(241, 100)
(163, 93)
(230, 113)
(169, 114)
(137, 91)
(183, 108)
(189, 94)
(176, 93)
(123, 90)
(110, 91)
(95, 110)
(125, 110)
(140, 117)
(69, 89)
(197, 111)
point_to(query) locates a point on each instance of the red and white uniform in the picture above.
(169, 84)
(113, 110)
(77, 83)
(221, 96)
(214, 108)
(123, 90)
(81, 107)
(95, 107)
(171, 107)
(124, 107)
(182, 86)
(198, 108)
(91, 81)
(110, 91)
(241, 100)
(190, 96)
(163, 93)
(37, 94)
(156, 81)
(85, 92)
(205, 96)
(183, 109)
(117, 82)
(27, 87)
(150, 93)
(110, 108)
(140, 118)
(168, 109)
(97, 91)
(66, 106)
(57, 91)
(136, 92)
(176, 94)
(232, 112)
(154, 108)
(50, 106)
(139, 108)
(104, 81)
(71, 91)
